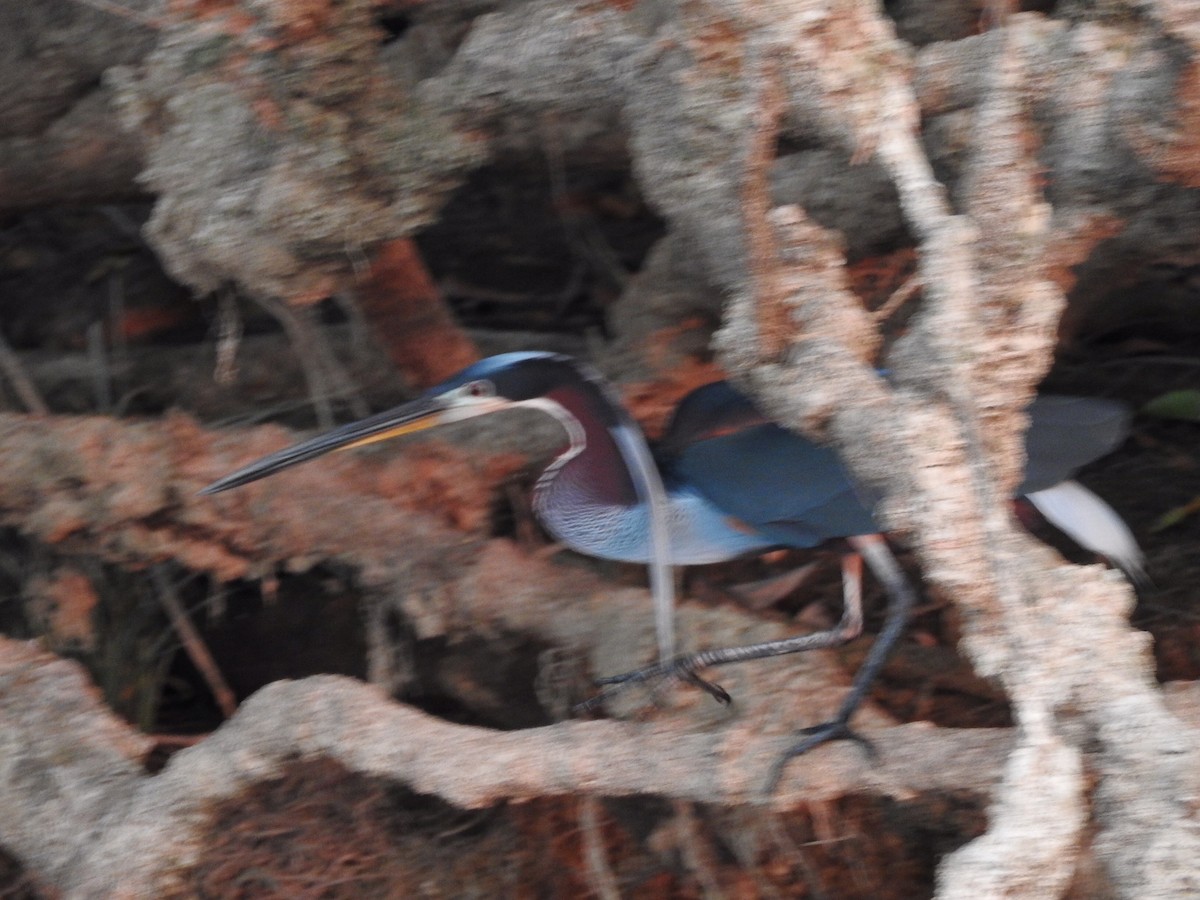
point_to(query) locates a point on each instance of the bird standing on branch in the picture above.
(726, 483)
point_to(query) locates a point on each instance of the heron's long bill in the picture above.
(411, 417)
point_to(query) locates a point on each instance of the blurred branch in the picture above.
(149, 828)
(354, 724)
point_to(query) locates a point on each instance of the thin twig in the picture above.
(193, 643)
(794, 853)
(602, 880)
(899, 297)
(229, 339)
(10, 363)
(356, 322)
(98, 362)
(165, 741)
(587, 243)
(301, 340)
(1191, 362)
(116, 320)
(745, 839)
(324, 374)
(697, 855)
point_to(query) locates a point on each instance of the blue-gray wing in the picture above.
(1066, 433)
(798, 493)
(792, 491)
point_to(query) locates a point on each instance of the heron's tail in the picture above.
(1092, 524)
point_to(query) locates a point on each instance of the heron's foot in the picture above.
(682, 668)
(814, 736)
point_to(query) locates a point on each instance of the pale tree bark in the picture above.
(278, 145)
(55, 730)
(980, 342)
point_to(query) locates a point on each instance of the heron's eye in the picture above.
(481, 388)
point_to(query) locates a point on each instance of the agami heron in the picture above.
(726, 483)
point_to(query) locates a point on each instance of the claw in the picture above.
(680, 669)
(815, 736)
(711, 688)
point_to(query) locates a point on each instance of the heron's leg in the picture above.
(901, 600)
(685, 667)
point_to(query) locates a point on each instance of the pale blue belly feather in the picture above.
(699, 532)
